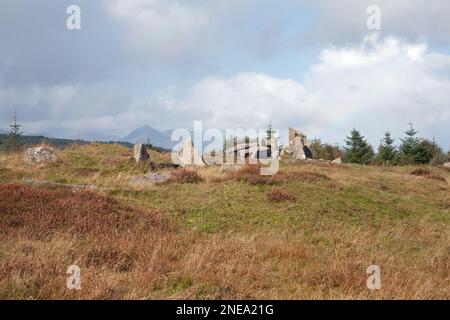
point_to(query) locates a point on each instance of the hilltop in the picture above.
(308, 232)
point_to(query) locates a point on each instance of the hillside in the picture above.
(308, 232)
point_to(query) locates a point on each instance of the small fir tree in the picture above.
(357, 149)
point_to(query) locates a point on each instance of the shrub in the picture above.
(439, 159)
(428, 174)
(324, 151)
(421, 172)
(279, 195)
(184, 175)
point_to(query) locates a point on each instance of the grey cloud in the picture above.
(344, 21)
(37, 47)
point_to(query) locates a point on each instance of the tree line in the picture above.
(411, 150)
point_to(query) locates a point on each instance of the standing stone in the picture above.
(297, 141)
(140, 153)
(188, 155)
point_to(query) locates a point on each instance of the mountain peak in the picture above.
(157, 138)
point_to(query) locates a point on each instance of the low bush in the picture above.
(279, 195)
(421, 172)
(184, 175)
(37, 213)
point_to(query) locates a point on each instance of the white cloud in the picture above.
(374, 86)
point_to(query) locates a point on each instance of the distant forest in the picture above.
(26, 141)
(59, 143)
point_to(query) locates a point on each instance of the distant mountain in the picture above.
(157, 138)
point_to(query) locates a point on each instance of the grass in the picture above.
(222, 236)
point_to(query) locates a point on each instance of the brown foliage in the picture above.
(428, 174)
(279, 195)
(38, 212)
(421, 172)
(184, 175)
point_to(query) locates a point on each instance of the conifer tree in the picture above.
(14, 134)
(387, 151)
(409, 145)
(357, 149)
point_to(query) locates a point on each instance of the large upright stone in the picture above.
(297, 141)
(140, 153)
(188, 155)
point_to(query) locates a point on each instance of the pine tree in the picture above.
(270, 132)
(14, 134)
(357, 149)
(408, 147)
(387, 151)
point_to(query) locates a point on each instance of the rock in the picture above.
(140, 153)
(446, 165)
(187, 155)
(337, 161)
(40, 155)
(297, 142)
(150, 178)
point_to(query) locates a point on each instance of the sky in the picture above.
(312, 65)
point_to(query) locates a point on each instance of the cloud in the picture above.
(38, 49)
(199, 34)
(345, 20)
(165, 30)
(377, 85)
